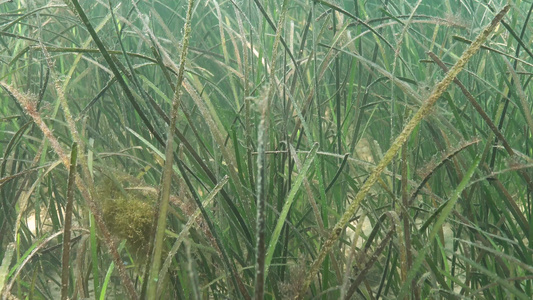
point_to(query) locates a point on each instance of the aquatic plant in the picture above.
(266, 149)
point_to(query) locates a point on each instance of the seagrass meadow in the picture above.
(248, 149)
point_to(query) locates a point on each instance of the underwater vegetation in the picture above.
(128, 215)
(266, 149)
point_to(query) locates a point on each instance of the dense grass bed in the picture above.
(266, 149)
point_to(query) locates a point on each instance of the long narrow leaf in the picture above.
(288, 203)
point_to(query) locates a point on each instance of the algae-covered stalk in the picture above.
(68, 223)
(393, 150)
(261, 267)
(167, 172)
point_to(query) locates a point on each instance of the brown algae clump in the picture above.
(128, 214)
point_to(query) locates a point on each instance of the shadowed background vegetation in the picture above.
(266, 149)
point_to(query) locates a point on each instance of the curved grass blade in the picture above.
(288, 203)
(112, 65)
(25, 259)
(185, 231)
(446, 210)
(494, 277)
(109, 273)
(6, 262)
